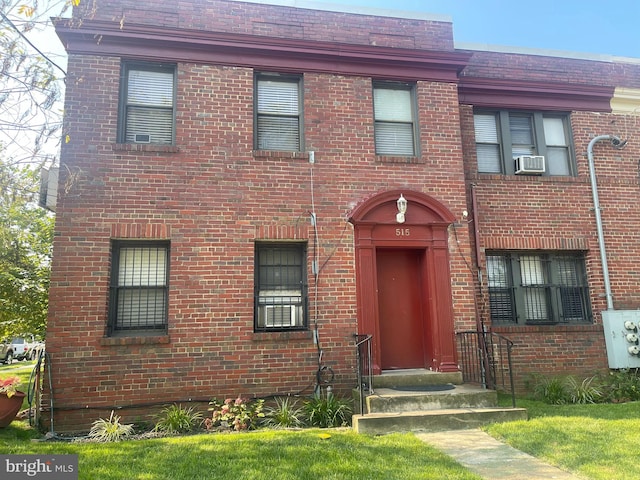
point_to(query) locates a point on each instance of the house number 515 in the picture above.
(402, 232)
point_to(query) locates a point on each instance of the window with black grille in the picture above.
(139, 287)
(538, 288)
(280, 286)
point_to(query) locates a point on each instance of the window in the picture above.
(502, 136)
(280, 286)
(537, 288)
(393, 109)
(147, 104)
(278, 113)
(139, 286)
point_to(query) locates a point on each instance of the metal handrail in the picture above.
(486, 359)
(364, 370)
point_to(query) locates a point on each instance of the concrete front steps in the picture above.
(425, 401)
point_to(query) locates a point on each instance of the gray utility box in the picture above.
(622, 336)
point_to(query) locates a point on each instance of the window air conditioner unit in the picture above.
(142, 138)
(280, 315)
(530, 165)
(48, 188)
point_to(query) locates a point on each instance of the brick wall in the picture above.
(213, 196)
(279, 22)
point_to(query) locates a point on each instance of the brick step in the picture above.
(434, 420)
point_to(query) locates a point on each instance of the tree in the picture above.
(31, 87)
(31, 80)
(26, 235)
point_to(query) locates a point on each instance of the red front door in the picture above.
(401, 318)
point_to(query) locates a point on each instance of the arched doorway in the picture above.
(403, 281)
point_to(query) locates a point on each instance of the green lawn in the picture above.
(263, 454)
(598, 442)
(594, 441)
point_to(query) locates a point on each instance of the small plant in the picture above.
(285, 414)
(622, 386)
(582, 392)
(110, 430)
(326, 411)
(550, 390)
(238, 414)
(177, 419)
(8, 386)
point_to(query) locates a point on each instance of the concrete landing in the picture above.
(491, 459)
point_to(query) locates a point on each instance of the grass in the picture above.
(597, 442)
(262, 454)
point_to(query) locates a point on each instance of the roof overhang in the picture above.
(153, 43)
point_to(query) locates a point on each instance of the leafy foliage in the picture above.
(178, 419)
(621, 386)
(238, 414)
(110, 430)
(284, 414)
(26, 236)
(31, 79)
(327, 410)
(583, 392)
(550, 390)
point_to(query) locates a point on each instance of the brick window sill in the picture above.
(144, 147)
(406, 160)
(282, 336)
(519, 329)
(280, 154)
(133, 340)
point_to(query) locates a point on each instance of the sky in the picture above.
(580, 26)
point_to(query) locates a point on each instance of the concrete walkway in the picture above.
(491, 459)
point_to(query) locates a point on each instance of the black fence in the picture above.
(485, 359)
(365, 372)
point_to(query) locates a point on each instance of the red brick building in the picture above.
(228, 202)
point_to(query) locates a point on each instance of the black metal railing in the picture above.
(486, 360)
(364, 367)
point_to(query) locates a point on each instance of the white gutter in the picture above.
(617, 143)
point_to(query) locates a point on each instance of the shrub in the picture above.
(177, 419)
(582, 392)
(110, 430)
(550, 390)
(238, 414)
(327, 410)
(622, 386)
(285, 414)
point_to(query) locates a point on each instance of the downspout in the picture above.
(618, 144)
